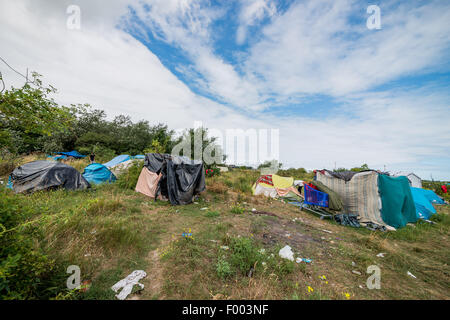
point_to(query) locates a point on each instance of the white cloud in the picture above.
(253, 11)
(104, 66)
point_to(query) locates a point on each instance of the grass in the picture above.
(110, 231)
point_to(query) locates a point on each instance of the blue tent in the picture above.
(424, 208)
(74, 154)
(119, 159)
(97, 173)
(138, 156)
(432, 197)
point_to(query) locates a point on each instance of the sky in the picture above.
(339, 93)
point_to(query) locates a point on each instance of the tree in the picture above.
(27, 113)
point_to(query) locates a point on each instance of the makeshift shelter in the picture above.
(139, 157)
(73, 154)
(97, 173)
(376, 198)
(424, 208)
(432, 197)
(123, 166)
(273, 186)
(44, 175)
(398, 207)
(117, 160)
(358, 192)
(414, 180)
(175, 178)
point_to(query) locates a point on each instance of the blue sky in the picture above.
(337, 91)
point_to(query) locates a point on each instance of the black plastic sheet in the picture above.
(43, 175)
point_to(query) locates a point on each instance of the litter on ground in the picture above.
(127, 284)
(286, 253)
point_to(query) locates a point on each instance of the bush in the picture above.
(26, 272)
(128, 179)
(244, 254)
(223, 268)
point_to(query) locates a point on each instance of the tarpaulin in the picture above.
(97, 173)
(424, 208)
(181, 178)
(117, 160)
(74, 154)
(42, 175)
(398, 207)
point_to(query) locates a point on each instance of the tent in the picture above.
(274, 186)
(424, 208)
(414, 180)
(117, 160)
(43, 175)
(97, 173)
(374, 197)
(432, 196)
(73, 154)
(175, 178)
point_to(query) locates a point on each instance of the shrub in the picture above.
(26, 272)
(128, 179)
(244, 254)
(237, 210)
(223, 268)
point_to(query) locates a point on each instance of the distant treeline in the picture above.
(30, 121)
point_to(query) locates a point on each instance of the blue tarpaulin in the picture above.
(432, 197)
(97, 173)
(138, 156)
(424, 208)
(119, 159)
(74, 154)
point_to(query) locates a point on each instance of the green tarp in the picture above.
(334, 200)
(398, 207)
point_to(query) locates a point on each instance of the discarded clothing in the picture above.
(347, 220)
(128, 283)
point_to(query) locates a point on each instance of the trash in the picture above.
(224, 247)
(87, 255)
(205, 208)
(288, 235)
(327, 231)
(353, 264)
(361, 286)
(299, 260)
(286, 253)
(381, 255)
(356, 272)
(253, 209)
(262, 251)
(128, 283)
(411, 275)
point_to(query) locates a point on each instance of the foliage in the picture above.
(223, 268)
(129, 178)
(244, 254)
(25, 271)
(28, 114)
(196, 144)
(212, 172)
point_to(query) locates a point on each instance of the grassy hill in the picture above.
(110, 230)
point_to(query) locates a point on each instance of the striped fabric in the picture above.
(267, 179)
(359, 195)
